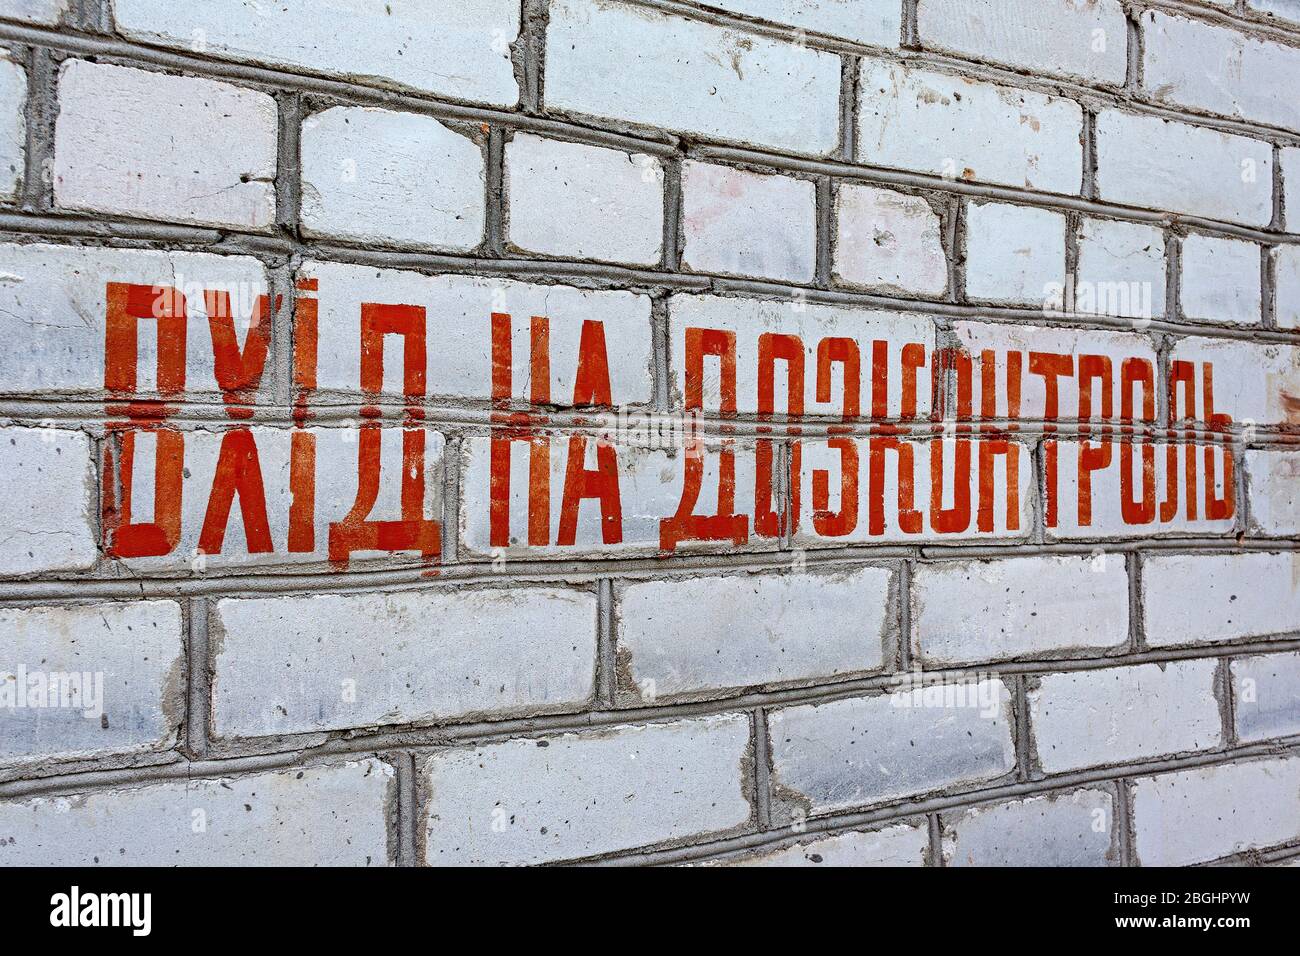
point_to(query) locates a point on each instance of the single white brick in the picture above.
(1197, 815)
(314, 816)
(614, 60)
(744, 223)
(874, 22)
(157, 146)
(570, 199)
(118, 672)
(705, 634)
(13, 125)
(47, 514)
(966, 611)
(446, 47)
(1253, 382)
(37, 11)
(1116, 714)
(1220, 280)
(890, 846)
(1121, 269)
(1288, 10)
(1163, 164)
(868, 750)
(1266, 695)
(1290, 163)
(1287, 286)
(376, 176)
(1087, 41)
(577, 795)
(53, 313)
(1273, 490)
(458, 332)
(888, 241)
(297, 664)
(1014, 254)
(1205, 598)
(1072, 829)
(1219, 69)
(963, 129)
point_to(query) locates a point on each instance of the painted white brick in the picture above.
(891, 846)
(376, 176)
(459, 331)
(1014, 254)
(46, 515)
(1163, 164)
(1220, 280)
(1287, 285)
(128, 658)
(744, 223)
(53, 313)
(748, 319)
(613, 60)
(874, 22)
(570, 199)
(37, 11)
(13, 125)
(998, 610)
(868, 750)
(328, 662)
(577, 795)
(1091, 717)
(1220, 70)
(1273, 490)
(314, 816)
(1121, 269)
(1082, 40)
(963, 129)
(888, 241)
(165, 147)
(1253, 382)
(1290, 163)
(1197, 815)
(1026, 341)
(1073, 829)
(1266, 695)
(688, 637)
(1203, 598)
(1288, 10)
(446, 47)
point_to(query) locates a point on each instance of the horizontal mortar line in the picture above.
(587, 126)
(1268, 855)
(242, 754)
(825, 826)
(470, 570)
(1113, 94)
(626, 278)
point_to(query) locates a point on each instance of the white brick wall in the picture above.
(1085, 41)
(876, 22)
(326, 662)
(744, 223)
(1220, 280)
(357, 167)
(707, 634)
(569, 199)
(302, 817)
(576, 795)
(1202, 598)
(119, 672)
(950, 126)
(1147, 161)
(889, 242)
(1086, 718)
(1074, 829)
(996, 610)
(110, 158)
(614, 60)
(466, 58)
(860, 751)
(1197, 815)
(1014, 254)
